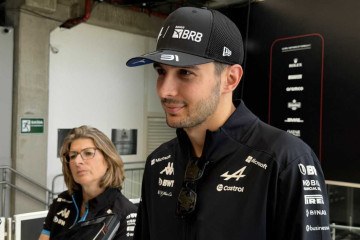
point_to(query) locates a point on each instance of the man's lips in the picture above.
(173, 108)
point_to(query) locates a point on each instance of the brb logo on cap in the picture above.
(181, 33)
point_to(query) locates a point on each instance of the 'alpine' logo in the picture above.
(237, 175)
(181, 33)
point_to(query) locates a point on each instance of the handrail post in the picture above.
(3, 192)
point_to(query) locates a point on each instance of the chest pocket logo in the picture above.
(237, 175)
(64, 213)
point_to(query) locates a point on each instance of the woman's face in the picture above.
(89, 171)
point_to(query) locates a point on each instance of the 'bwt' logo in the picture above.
(307, 170)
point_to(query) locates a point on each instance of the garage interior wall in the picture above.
(89, 84)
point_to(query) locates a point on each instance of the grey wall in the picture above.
(6, 78)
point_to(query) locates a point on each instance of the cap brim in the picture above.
(168, 57)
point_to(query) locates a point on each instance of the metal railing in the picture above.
(132, 185)
(7, 173)
(131, 189)
(347, 230)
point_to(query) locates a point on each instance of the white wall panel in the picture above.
(90, 84)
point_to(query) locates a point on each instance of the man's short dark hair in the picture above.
(219, 67)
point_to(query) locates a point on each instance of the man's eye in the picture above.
(160, 71)
(185, 72)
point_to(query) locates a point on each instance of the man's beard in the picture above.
(198, 114)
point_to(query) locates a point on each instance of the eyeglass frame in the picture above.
(69, 159)
(185, 207)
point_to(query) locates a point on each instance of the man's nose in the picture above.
(167, 86)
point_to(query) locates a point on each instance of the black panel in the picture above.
(31, 229)
(338, 23)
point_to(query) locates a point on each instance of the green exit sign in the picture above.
(32, 125)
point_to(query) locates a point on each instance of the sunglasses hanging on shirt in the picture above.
(186, 202)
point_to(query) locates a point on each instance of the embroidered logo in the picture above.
(237, 175)
(64, 213)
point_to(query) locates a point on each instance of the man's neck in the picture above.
(197, 134)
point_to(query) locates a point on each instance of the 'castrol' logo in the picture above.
(226, 188)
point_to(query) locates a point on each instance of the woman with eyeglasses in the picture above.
(94, 174)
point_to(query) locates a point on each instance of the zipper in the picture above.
(77, 211)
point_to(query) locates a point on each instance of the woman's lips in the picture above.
(81, 172)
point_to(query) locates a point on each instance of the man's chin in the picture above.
(173, 122)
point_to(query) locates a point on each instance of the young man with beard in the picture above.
(227, 175)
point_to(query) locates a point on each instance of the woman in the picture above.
(94, 174)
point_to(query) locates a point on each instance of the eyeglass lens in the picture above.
(85, 154)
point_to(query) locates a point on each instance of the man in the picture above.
(227, 175)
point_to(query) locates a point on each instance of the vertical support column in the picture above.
(6, 86)
(31, 73)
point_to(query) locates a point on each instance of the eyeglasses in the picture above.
(86, 154)
(187, 197)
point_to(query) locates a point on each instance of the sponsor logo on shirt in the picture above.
(225, 188)
(164, 193)
(64, 213)
(309, 170)
(166, 182)
(311, 185)
(232, 176)
(236, 175)
(63, 200)
(251, 159)
(160, 159)
(314, 199)
(59, 221)
(169, 169)
(130, 224)
(310, 228)
(318, 212)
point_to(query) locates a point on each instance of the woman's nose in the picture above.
(78, 160)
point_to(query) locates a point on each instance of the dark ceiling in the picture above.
(161, 7)
(167, 6)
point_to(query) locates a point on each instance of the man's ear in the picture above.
(233, 77)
